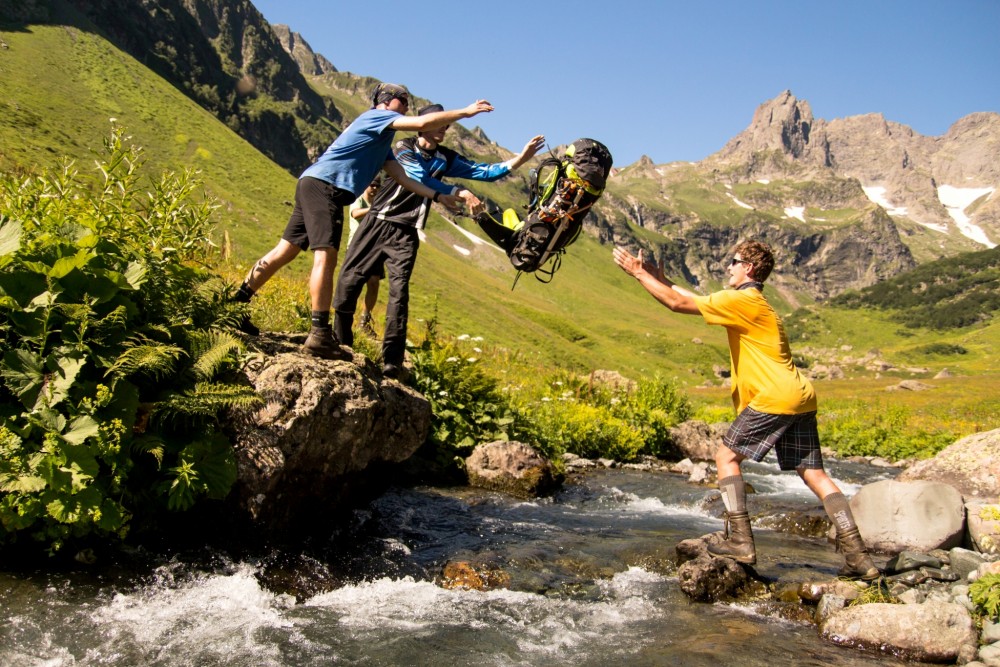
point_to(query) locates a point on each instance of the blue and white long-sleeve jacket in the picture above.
(395, 203)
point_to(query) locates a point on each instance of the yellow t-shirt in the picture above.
(764, 377)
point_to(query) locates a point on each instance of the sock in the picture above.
(734, 493)
(321, 318)
(243, 294)
(839, 511)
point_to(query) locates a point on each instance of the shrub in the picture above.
(865, 430)
(985, 595)
(467, 404)
(115, 351)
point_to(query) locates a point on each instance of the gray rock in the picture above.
(704, 578)
(323, 424)
(511, 467)
(991, 632)
(697, 440)
(895, 516)
(930, 632)
(971, 465)
(829, 604)
(964, 561)
(990, 655)
(910, 560)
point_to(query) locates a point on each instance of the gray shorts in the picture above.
(794, 438)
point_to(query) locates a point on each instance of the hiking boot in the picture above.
(248, 327)
(322, 343)
(365, 326)
(395, 372)
(858, 564)
(738, 544)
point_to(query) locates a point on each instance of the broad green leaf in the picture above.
(62, 379)
(22, 484)
(23, 374)
(22, 286)
(80, 429)
(64, 265)
(10, 236)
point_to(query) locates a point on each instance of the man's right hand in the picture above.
(477, 107)
(451, 202)
(472, 201)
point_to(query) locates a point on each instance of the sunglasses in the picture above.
(736, 260)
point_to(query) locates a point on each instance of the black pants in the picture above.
(378, 244)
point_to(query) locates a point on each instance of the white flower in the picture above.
(615, 400)
(477, 338)
(546, 399)
(472, 360)
(452, 359)
(477, 350)
(442, 393)
(464, 337)
(558, 384)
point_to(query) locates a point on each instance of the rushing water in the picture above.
(591, 583)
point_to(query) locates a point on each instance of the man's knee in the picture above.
(724, 455)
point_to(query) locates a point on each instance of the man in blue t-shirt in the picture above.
(334, 181)
(388, 239)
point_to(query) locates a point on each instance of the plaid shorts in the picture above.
(794, 438)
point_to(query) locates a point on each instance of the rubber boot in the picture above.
(739, 542)
(858, 564)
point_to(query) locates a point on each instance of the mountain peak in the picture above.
(308, 60)
(784, 124)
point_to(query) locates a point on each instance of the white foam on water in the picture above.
(625, 501)
(541, 625)
(216, 615)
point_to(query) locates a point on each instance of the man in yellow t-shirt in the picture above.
(775, 404)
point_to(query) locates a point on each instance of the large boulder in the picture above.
(698, 440)
(323, 424)
(929, 632)
(895, 516)
(513, 468)
(971, 465)
(705, 578)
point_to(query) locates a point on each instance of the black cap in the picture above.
(384, 93)
(430, 108)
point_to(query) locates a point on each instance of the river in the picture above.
(591, 582)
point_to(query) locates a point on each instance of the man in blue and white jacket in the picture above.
(388, 235)
(333, 182)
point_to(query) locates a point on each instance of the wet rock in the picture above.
(807, 523)
(929, 632)
(297, 575)
(971, 465)
(910, 560)
(574, 462)
(813, 591)
(699, 474)
(481, 577)
(324, 423)
(513, 468)
(704, 578)
(917, 515)
(829, 604)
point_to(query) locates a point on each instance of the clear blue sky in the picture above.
(671, 80)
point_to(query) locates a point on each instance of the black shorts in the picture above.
(317, 220)
(794, 438)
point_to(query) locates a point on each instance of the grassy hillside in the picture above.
(591, 316)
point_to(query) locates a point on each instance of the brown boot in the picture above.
(859, 564)
(322, 343)
(739, 543)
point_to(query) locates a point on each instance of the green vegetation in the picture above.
(115, 352)
(985, 595)
(950, 293)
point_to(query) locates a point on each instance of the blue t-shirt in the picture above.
(353, 160)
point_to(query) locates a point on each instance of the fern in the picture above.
(152, 360)
(985, 594)
(213, 350)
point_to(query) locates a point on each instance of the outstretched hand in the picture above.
(628, 262)
(478, 107)
(451, 202)
(534, 145)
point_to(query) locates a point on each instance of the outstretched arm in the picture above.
(433, 121)
(398, 174)
(663, 290)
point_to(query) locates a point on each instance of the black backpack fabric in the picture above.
(562, 191)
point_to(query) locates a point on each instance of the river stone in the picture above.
(466, 576)
(984, 526)
(814, 591)
(918, 515)
(910, 560)
(964, 561)
(929, 632)
(990, 655)
(829, 604)
(705, 578)
(971, 465)
(511, 467)
(698, 440)
(323, 424)
(991, 632)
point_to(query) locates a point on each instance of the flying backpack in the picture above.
(562, 191)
